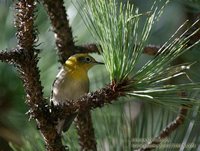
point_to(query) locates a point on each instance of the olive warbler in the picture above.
(71, 82)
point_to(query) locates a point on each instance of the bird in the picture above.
(71, 83)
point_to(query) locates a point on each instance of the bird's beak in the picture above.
(100, 63)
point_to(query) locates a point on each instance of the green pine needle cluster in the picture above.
(116, 28)
(122, 32)
(151, 79)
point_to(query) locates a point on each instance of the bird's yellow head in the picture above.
(81, 62)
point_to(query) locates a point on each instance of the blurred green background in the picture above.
(118, 126)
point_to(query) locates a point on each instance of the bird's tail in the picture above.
(64, 125)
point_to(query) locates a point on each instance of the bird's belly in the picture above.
(69, 90)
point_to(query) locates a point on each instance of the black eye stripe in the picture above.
(81, 59)
(84, 59)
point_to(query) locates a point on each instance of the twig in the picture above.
(60, 24)
(167, 131)
(88, 48)
(92, 48)
(151, 50)
(192, 18)
(9, 56)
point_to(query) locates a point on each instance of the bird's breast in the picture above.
(69, 86)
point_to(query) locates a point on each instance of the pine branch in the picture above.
(60, 24)
(9, 56)
(85, 130)
(26, 33)
(90, 101)
(92, 48)
(88, 48)
(167, 131)
(26, 36)
(27, 66)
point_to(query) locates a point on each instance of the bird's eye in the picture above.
(88, 59)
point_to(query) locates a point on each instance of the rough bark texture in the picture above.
(63, 32)
(9, 56)
(27, 66)
(85, 130)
